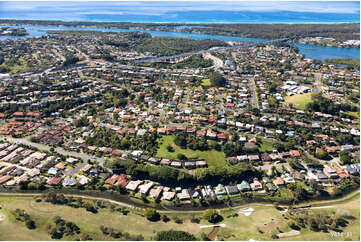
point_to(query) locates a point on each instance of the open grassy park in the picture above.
(300, 100)
(261, 224)
(266, 146)
(44, 212)
(213, 157)
(206, 82)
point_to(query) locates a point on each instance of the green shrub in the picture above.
(151, 214)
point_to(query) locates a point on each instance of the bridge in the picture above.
(168, 58)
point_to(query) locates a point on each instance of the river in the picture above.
(310, 51)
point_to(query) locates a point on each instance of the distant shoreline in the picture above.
(340, 32)
(178, 23)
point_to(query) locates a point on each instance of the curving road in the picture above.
(314, 204)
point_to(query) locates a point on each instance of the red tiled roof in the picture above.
(4, 179)
(221, 136)
(18, 114)
(295, 153)
(55, 180)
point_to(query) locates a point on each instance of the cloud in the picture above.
(166, 9)
(174, 6)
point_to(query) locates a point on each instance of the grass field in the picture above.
(260, 225)
(300, 100)
(237, 228)
(15, 68)
(206, 82)
(213, 157)
(89, 223)
(266, 146)
(354, 114)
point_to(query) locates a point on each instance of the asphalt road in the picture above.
(253, 92)
(317, 82)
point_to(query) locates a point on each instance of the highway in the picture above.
(218, 63)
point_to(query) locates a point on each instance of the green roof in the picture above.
(220, 190)
(244, 186)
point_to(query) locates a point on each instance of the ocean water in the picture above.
(228, 17)
(185, 12)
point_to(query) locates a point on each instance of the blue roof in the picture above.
(228, 62)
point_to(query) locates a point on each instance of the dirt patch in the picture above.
(290, 233)
(33, 205)
(246, 212)
(212, 235)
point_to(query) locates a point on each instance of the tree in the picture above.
(344, 157)
(181, 156)
(170, 148)
(33, 186)
(174, 235)
(115, 116)
(250, 147)
(55, 234)
(195, 220)
(70, 60)
(23, 185)
(151, 214)
(212, 216)
(181, 140)
(217, 79)
(30, 224)
(178, 220)
(323, 155)
(89, 206)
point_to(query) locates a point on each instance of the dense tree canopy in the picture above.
(151, 214)
(322, 104)
(211, 216)
(174, 235)
(217, 79)
(165, 46)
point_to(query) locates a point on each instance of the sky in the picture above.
(123, 10)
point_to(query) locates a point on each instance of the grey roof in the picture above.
(350, 170)
(266, 180)
(69, 181)
(271, 187)
(189, 164)
(321, 175)
(232, 189)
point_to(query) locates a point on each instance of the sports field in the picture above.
(300, 100)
